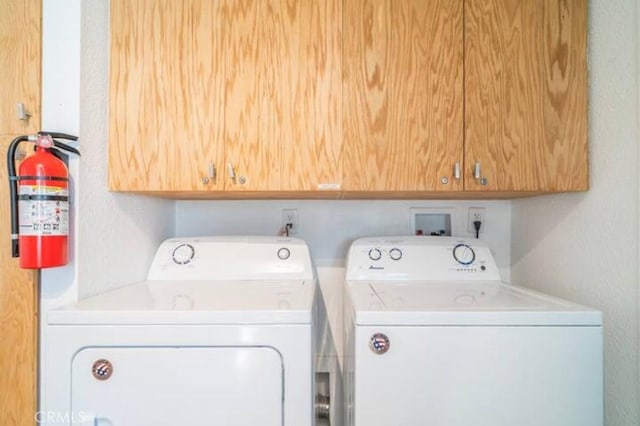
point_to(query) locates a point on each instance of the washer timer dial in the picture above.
(395, 254)
(375, 254)
(183, 254)
(464, 254)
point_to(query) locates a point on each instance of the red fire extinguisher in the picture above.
(40, 201)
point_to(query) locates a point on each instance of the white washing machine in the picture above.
(435, 338)
(221, 333)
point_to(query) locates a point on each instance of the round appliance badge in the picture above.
(379, 343)
(102, 369)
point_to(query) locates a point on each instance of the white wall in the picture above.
(330, 226)
(111, 232)
(584, 247)
(118, 232)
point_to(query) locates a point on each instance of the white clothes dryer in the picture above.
(435, 338)
(221, 333)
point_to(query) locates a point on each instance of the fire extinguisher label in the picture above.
(44, 210)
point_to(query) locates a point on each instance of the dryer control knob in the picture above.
(284, 253)
(375, 254)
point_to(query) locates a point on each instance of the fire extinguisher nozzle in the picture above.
(15, 248)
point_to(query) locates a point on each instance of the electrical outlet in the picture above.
(475, 213)
(290, 216)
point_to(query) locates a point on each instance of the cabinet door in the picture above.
(283, 94)
(250, 155)
(20, 41)
(403, 105)
(18, 321)
(167, 97)
(526, 95)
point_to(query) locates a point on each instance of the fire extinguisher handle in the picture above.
(66, 147)
(60, 145)
(58, 135)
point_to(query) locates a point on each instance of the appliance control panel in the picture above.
(420, 258)
(232, 258)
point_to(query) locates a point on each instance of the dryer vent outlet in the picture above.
(323, 399)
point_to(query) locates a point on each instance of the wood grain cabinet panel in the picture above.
(302, 90)
(283, 86)
(20, 45)
(20, 64)
(526, 95)
(250, 86)
(403, 101)
(18, 323)
(166, 95)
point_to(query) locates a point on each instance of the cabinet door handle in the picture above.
(477, 173)
(22, 112)
(212, 171)
(456, 171)
(232, 172)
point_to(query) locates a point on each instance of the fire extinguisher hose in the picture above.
(13, 191)
(13, 178)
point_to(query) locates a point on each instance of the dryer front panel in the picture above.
(154, 386)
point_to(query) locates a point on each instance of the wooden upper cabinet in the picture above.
(403, 100)
(289, 97)
(20, 40)
(166, 95)
(526, 95)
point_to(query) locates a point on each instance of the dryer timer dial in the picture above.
(183, 254)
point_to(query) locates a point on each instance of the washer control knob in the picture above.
(183, 253)
(375, 254)
(464, 254)
(284, 253)
(395, 254)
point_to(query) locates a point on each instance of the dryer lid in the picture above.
(195, 302)
(462, 303)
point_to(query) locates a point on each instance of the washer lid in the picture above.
(195, 302)
(462, 303)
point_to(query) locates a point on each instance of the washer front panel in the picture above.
(461, 376)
